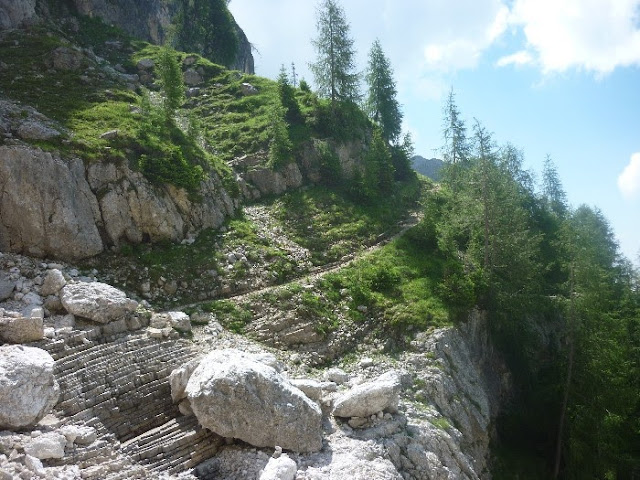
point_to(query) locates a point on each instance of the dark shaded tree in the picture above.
(381, 103)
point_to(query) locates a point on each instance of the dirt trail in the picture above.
(411, 221)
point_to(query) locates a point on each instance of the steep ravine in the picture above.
(451, 384)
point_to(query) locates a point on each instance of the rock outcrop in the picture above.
(46, 207)
(236, 396)
(15, 13)
(146, 19)
(28, 387)
(56, 207)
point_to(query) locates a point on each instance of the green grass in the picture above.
(101, 102)
(331, 224)
(231, 316)
(399, 283)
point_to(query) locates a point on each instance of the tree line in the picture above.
(563, 304)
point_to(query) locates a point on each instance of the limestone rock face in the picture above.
(47, 207)
(27, 386)
(96, 301)
(370, 397)
(13, 13)
(235, 396)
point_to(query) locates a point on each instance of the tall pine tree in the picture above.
(334, 69)
(381, 104)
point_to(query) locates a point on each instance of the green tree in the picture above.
(171, 79)
(280, 147)
(381, 103)
(456, 145)
(287, 98)
(554, 195)
(334, 69)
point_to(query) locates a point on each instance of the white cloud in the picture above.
(519, 58)
(595, 35)
(629, 179)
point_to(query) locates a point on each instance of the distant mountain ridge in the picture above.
(429, 167)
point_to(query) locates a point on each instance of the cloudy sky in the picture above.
(557, 77)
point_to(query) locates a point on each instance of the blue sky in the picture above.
(557, 77)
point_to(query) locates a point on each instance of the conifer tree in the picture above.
(171, 79)
(334, 69)
(456, 149)
(381, 104)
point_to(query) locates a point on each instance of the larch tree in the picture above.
(334, 69)
(381, 103)
(456, 148)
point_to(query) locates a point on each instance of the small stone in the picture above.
(48, 445)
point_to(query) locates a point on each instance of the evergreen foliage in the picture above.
(334, 68)
(543, 272)
(381, 103)
(171, 80)
(280, 147)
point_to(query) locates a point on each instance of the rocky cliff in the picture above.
(145, 19)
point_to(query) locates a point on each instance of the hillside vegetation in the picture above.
(563, 304)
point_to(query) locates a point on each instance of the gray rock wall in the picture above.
(58, 208)
(145, 19)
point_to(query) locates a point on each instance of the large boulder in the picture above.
(53, 282)
(18, 328)
(48, 445)
(28, 388)
(369, 398)
(235, 396)
(97, 301)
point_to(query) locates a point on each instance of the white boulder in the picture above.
(28, 388)
(235, 396)
(47, 445)
(369, 398)
(281, 468)
(96, 301)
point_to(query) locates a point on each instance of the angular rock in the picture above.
(6, 286)
(336, 375)
(53, 282)
(80, 435)
(28, 387)
(146, 64)
(32, 130)
(179, 378)
(235, 396)
(64, 58)
(248, 89)
(48, 445)
(371, 397)
(314, 389)
(23, 329)
(96, 301)
(178, 320)
(281, 468)
(192, 78)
